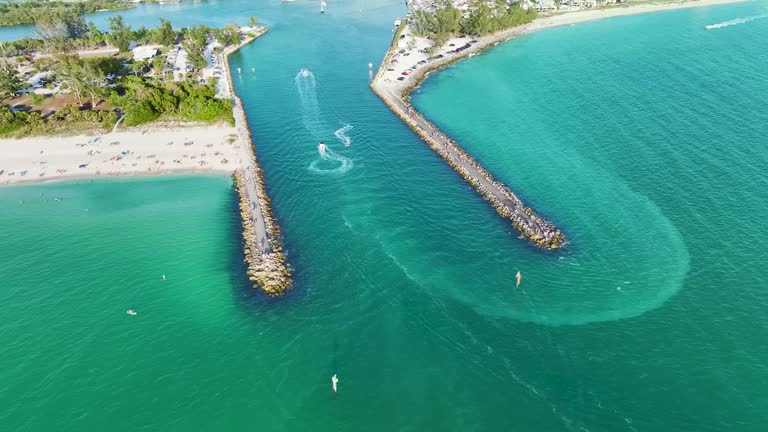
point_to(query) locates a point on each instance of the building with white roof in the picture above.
(144, 53)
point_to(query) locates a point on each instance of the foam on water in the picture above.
(330, 162)
(341, 134)
(735, 21)
(310, 108)
(400, 253)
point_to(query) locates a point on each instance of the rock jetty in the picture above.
(537, 230)
(262, 246)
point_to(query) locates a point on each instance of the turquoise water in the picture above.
(643, 137)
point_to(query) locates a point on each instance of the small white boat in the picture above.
(323, 4)
(131, 312)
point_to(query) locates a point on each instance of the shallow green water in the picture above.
(643, 137)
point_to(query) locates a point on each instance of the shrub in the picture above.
(140, 112)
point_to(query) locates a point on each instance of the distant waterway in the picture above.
(642, 137)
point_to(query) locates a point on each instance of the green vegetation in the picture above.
(120, 33)
(164, 35)
(68, 119)
(36, 11)
(10, 83)
(195, 39)
(87, 77)
(483, 19)
(194, 44)
(141, 100)
(144, 100)
(103, 88)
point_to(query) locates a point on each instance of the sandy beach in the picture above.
(151, 150)
(405, 62)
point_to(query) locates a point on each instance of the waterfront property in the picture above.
(161, 144)
(652, 320)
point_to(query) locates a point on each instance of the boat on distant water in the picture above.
(323, 4)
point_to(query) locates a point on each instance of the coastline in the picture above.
(396, 95)
(166, 149)
(262, 247)
(142, 151)
(405, 87)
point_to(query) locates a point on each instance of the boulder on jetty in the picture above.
(540, 232)
(266, 262)
(267, 270)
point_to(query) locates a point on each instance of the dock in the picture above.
(262, 247)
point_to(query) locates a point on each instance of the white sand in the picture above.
(388, 80)
(141, 151)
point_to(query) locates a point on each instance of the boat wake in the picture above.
(330, 163)
(310, 109)
(341, 134)
(735, 22)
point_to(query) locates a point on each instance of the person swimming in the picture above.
(519, 277)
(334, 382)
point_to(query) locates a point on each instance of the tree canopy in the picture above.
(120, 34)
(484, 18)
(10, 83)
(35, 11)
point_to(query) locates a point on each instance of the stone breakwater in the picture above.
(262, 247)
(532, 227)
(266, 266)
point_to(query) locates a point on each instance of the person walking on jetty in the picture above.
(519, 277)
(334, 383)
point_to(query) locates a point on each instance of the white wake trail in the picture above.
(341, 134)
(736, 21)
(310, 109)
(330, 163)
